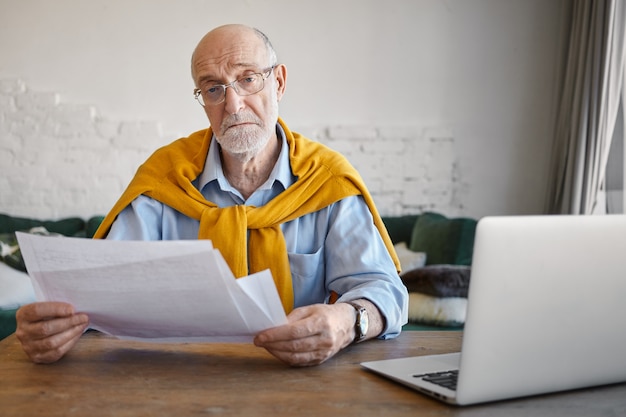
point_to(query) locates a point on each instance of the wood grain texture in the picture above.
(103, 376)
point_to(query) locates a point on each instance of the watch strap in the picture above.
(361, 313)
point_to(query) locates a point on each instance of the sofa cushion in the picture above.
(400, 228)
(445, 240)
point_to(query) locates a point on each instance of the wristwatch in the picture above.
(361, 324)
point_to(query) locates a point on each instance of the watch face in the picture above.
(363, 323)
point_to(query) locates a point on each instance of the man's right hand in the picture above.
(48, 330)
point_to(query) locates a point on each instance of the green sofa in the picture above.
(73, 226)
(443, 241)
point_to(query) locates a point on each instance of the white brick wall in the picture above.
(61, 159)
(407, 169)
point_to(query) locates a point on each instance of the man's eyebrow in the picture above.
(212, 78)
(207, 78)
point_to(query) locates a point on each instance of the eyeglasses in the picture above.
(244, 86)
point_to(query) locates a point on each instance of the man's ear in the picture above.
(280, 73)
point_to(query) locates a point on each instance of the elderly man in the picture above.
(267, 198)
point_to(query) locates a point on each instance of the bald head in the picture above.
(232, 45)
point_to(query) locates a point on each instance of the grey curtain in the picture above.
(588, 107)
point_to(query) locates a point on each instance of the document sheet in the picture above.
(161, 291)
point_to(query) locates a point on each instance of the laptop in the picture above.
(546, 313)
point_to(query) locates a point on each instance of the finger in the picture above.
(308, 358)
(287, 333)
(302, 323)
(43, 329)
(53, 348)
(287, 344)
(301, 313)
(44, 310)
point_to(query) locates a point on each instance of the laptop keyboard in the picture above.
(446, 379)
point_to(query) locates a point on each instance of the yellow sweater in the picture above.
(323, 177)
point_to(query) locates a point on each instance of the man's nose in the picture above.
(233, 101)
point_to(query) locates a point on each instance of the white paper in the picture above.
(162, 291)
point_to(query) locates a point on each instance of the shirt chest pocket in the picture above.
(308, 277)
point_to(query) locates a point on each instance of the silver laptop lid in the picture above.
(547, 306)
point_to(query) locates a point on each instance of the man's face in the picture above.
(241, 124)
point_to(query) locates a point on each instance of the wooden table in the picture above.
(103, 376)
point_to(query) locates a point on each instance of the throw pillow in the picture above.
(400, 227)
(92, 225)
(445, 241)
(409, 260)
(437, 311)
(68, 226)
(16, 288)
(10, 252)
(438, 280)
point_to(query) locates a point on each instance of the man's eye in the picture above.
(213, 90)
(247, 80)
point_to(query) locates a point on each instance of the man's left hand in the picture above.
(312, 335)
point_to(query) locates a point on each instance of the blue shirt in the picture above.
(337, 248)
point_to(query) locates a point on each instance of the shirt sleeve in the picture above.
(358, 264)
(148, 219)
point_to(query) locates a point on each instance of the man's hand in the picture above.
(312, 335)
(48, 330)
(315, 333)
